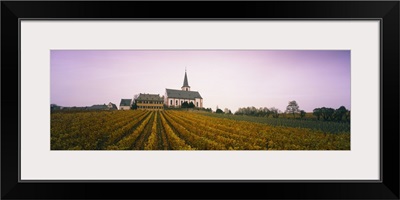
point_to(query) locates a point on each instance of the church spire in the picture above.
(185, 86)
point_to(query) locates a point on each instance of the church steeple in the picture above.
(185, 86)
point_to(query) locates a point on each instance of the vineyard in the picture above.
(327, 127)
(180, 130)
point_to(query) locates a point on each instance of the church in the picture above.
(175, 98)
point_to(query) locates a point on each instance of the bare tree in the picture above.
(293, 108)
(133, 102)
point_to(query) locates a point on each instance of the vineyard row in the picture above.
(179, 130)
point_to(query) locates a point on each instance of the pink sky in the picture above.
(227, 79)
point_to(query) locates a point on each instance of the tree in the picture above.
(265, 112)
(275, 112)
(302, 114)
(347, 116)
(340, 113)
(191, 105)
(253, 111)
(292, 108)
(261, 112)
(327, 113)
(317, 112)
(185, 105)
(135, 96)
(219, 111)
(134, 102)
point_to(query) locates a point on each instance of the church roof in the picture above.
(150, 97)
(181, 94)
(125, 102)
(185, 81)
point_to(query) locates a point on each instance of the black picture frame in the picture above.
(386, 11)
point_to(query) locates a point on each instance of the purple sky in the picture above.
(227, 79)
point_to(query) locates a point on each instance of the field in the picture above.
(308, 122)
(182, 130)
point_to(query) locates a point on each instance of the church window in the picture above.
(176, 102)
(197, 104)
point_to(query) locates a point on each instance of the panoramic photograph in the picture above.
(264, 100)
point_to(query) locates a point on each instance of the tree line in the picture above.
(340, 114)
(330, 114)
(259, 112)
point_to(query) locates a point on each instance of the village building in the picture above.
(112, 106)
(125, 104)
(98, 107)
(150, 102)
(175, 98)
(109, 106)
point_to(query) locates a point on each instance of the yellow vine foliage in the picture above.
(180, 130)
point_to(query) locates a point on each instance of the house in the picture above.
(125, 104)
(55, 107)
(112, 106)
(175, 98)
(109, 106)
(149, 102)
(98, 107)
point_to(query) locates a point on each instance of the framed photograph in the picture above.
(214, 98)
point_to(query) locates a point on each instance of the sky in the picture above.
(224, 78)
